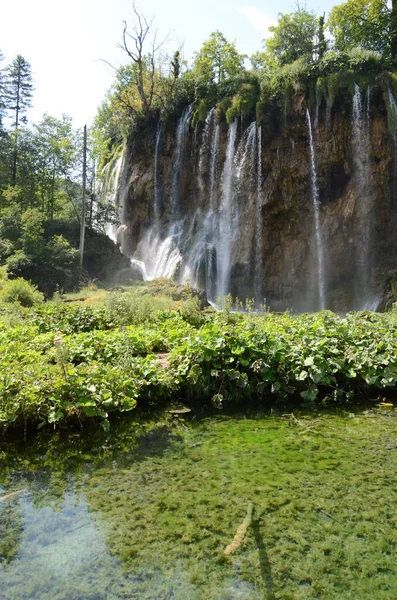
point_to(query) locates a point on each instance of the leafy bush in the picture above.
(190, 312)
(215, 359)
(243, 103)
(200, 113)
(133, 308)
(21, 292)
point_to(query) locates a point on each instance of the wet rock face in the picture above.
(262, 213)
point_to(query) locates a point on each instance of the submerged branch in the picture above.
(241, 531)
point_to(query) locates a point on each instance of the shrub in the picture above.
(134, 308)
(21, 292)
(190, 312)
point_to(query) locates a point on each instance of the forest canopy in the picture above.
(358, 36)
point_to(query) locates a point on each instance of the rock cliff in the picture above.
(232, 208)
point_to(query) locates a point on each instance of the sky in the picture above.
(68, 42)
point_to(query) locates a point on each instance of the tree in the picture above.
(322, 42)
(142, 51)
(18, 98)
(293, 37)
(362, 23)
(56, 154)
(218, 60)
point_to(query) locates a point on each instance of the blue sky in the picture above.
(65, 41)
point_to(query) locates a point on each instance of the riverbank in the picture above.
(69, 363)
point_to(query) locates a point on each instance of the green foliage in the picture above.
(293, 37)
(311, 357)
(60, 363)
(217, 61)
(221, 109)
(362, 23)
(200, 113)
(191, 313)
(18, 89)
(20, 291)
(134, 308)
(322, 42)
(243, 102)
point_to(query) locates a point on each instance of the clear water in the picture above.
(96, 517)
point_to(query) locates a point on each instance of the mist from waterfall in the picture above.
(317, 224)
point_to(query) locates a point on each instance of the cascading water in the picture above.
(109, 192)
(393, 129)
(197, 211)
(227, 217)
(317, 224)
(361, 159)
(202, 256)
(161, 257)
(182, 131)
(258, 283)
(247, 159)
(157, 184)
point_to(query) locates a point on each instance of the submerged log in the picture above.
(11, 495)
(241, 531)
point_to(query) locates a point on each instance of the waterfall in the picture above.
(361, 160)
(210, 223)
(202, 255)
(182, 131)
(214, 166)
(109, 192)
(157, 185)
(247, 158)
(227, 217)
(258, 283)
(317, 225)
(393, 129)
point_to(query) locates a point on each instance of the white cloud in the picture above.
(261, 21)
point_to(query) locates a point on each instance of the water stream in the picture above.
(317, 224)
(361, 158)
(227, 216)
(157, 181)
(258, 284)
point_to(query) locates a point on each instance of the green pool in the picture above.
(95, 517)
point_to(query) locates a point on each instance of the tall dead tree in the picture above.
(142, 51)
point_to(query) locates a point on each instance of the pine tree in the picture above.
(18, 98)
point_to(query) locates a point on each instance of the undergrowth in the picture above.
(67, 363)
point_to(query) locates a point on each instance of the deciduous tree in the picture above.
(292, 37)
(218, 60)
(362, 23)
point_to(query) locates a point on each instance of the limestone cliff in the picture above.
(232, 207)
